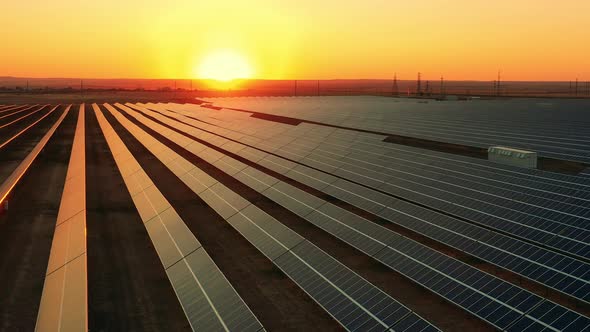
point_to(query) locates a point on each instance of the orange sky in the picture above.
(319, 39)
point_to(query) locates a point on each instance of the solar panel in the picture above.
(64, 298)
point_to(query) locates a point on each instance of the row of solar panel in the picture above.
(64, 298)
(554, 270)
(546, 147)
(463, 135)
(208, 299)
(513, 117)
(16, 110)
(470, 198)
(530, 192)
(348, 227)
(377, 182)
(354, 302)
(478, 207)
(408, 123)
(525, 190)
(476, 124)
(24, 117)
(379, 163)
(19, 132)
(375, 146)
(275, 169)
(520, 219)
(6, 108)
(10, 181)
(379, 148)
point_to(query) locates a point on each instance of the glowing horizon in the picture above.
(529, 40)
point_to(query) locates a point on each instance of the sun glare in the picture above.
(224, 65)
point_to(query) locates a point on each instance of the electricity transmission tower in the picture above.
(394, 90)
(418, 85)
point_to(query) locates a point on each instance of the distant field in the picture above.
(91, 97)
(205, 88)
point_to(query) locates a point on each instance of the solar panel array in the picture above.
(208, 300)
(540, 264)
(19, 131)
(554, 129)
(556, 270)
(9, 182)
(353, 301)
(375, 240)
(443, 222)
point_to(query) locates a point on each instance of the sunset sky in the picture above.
(305, 39)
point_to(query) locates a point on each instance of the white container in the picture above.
(513, 157)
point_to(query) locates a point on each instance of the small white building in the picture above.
(514, 157)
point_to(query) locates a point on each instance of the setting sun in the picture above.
(224, 65)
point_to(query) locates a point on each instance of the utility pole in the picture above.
(576, 86)
(27, 86)
(295, 88)
(442, 86)
(498, 84)
(428, 88)
(418, 84)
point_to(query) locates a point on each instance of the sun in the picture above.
(224, 65)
